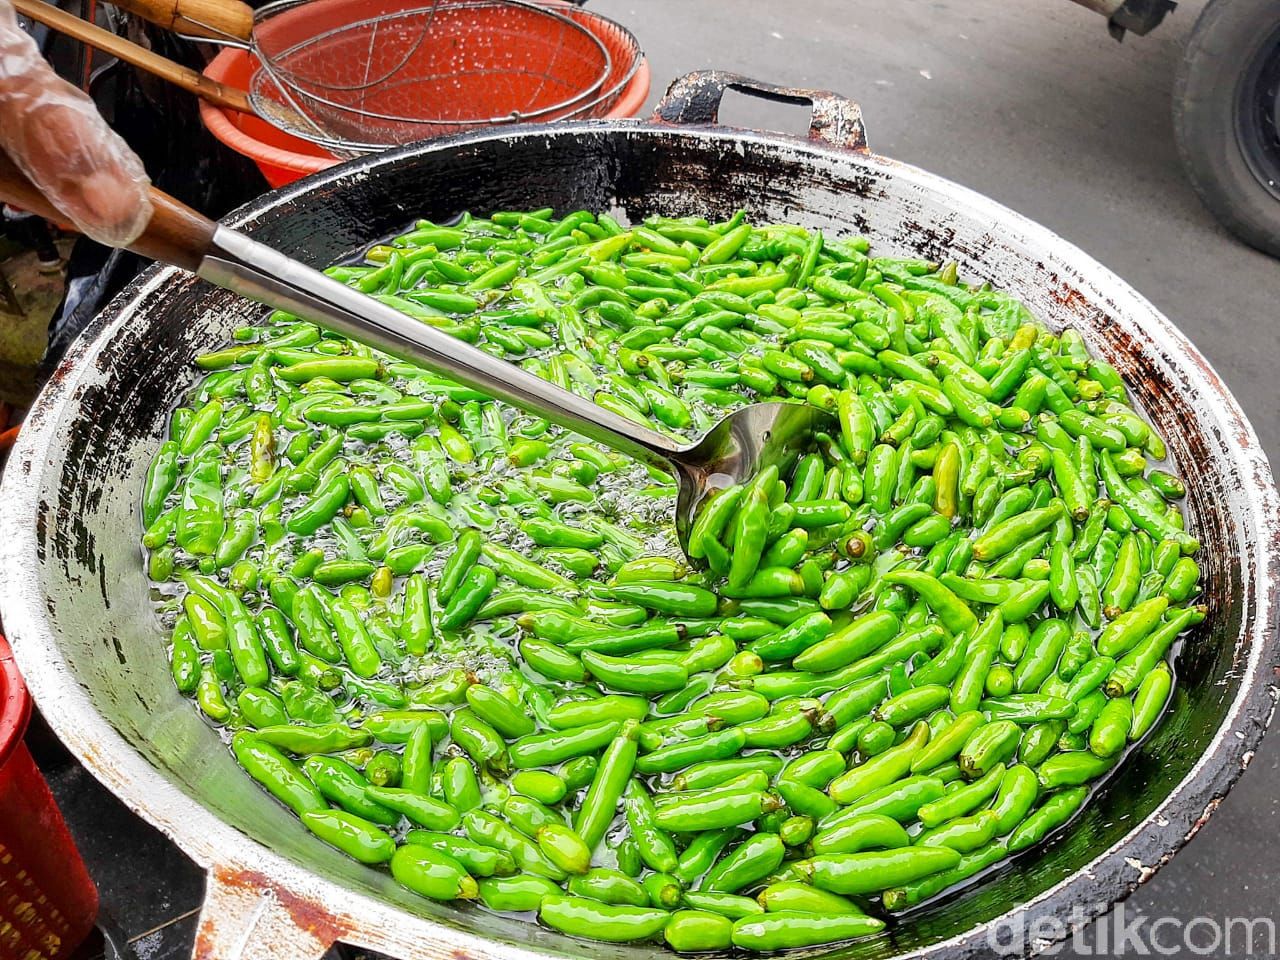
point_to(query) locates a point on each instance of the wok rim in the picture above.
(362, 920)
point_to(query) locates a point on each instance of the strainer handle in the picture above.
(183, 77)
(204, 19)
(695, 99)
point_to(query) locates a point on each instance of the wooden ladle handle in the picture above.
(175, 234)
(213, 19)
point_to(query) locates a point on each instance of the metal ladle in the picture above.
(744, 442)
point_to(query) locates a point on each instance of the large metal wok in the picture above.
(75, 597)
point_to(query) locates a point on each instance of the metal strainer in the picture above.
(358, 76)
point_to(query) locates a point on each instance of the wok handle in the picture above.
(695, 99)
(247, 917)
(176, 234)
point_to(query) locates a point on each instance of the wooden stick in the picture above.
(175, 233)
(219, 94)
(214, 19)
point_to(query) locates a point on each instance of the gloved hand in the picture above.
(56, 136)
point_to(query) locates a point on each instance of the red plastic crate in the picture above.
(48, 903)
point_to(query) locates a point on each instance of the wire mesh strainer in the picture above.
(368, 75)
(625, 57)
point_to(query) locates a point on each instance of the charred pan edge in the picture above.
(322, 910)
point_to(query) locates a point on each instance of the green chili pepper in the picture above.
(1149, 701)
(431, 873)
(698, 931)
(354, 836)
(1050, 815)
(853, 874)
(578, 916)
(277, 774)
(611, 778)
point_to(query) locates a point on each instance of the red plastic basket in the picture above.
(48, 903)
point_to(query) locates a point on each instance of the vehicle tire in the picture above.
(1226, 115)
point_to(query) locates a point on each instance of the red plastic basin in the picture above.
(283, 158)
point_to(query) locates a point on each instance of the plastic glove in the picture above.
(56, 136)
